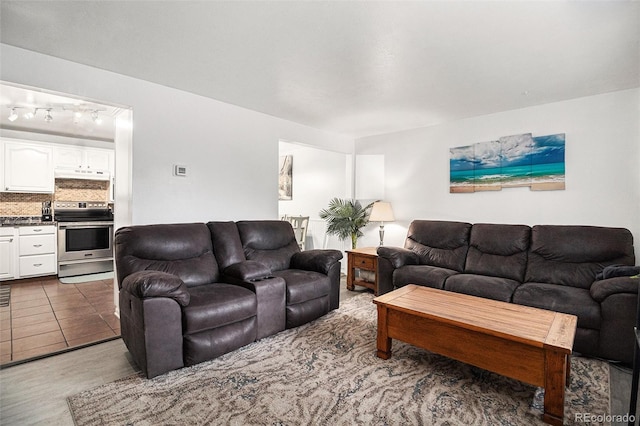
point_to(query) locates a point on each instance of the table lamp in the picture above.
(381, 212)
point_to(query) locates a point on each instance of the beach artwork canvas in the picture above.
(547, 163)
(511, 161)
(461, 169)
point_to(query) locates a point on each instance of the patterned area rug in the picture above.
(327, 373)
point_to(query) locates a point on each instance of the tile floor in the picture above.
(46, 316)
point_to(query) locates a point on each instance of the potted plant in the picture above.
(345, 218)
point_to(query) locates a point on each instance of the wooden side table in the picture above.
(365, 259)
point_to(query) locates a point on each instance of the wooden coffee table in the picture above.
(527, 344)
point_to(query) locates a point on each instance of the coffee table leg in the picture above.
(384, 342)
(555, 382)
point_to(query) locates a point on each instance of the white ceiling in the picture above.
(352, 67)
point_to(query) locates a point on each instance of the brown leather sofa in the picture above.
(192, 292)
(570, 269)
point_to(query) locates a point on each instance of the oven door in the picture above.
(84, 240)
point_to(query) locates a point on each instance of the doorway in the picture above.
(317, 176)
(43, 310)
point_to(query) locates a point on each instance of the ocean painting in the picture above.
(461, 169)
(547, 163)
(511, 161)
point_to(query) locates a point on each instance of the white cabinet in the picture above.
(8, 254)
(37, 250)
(98, 158)
(67, 158)
(28, 167)
(73, 157)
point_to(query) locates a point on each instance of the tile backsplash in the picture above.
(81, 190)
(21, 204)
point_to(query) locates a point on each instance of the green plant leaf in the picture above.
(345, 218)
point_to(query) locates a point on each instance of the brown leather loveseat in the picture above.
(570, 269)
(192, 292)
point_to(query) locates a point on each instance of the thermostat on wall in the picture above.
(179, 170)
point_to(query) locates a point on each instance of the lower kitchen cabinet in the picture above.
(8, 254)
(27, 251)
(37, 250)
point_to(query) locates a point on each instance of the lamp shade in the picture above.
(381, 212)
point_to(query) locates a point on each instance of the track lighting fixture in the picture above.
(63, 111)
(14, 115)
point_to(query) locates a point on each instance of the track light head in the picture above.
(29, 114)
(47, 117)
(95, 117)
(14, 115)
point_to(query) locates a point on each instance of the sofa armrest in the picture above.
(315, 260)
(398, 256)
(149, 284)
(248, 270)
(602, 289)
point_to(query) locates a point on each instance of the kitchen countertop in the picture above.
(23, 221)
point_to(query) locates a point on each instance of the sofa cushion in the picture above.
(302, 313)
(227, 246)
(304, 285)
(215, 305)
(569, 300)
(495, 288)
(574, 255)
(271, 242)
(182, 249)
(439, 243)
(428, 276)
(212, 343)
(498, 250)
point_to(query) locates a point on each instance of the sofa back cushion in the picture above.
(439, 243)
(227, 246)
(574, 255)
(498, 250)
(270, 242)
(181, 249)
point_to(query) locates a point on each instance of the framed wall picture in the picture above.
(285, 178)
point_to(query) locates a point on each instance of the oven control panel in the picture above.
(80, 205)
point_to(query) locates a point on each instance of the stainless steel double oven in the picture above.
(85, 237)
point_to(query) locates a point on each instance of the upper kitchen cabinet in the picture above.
(77, 162)
(82, 158)
(28, 167)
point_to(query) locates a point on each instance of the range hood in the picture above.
(86, 174)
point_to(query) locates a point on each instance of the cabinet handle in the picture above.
(37, 265)
(37, 230)
(37, 245)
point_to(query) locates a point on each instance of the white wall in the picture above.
(231, 152)
(602, 168)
